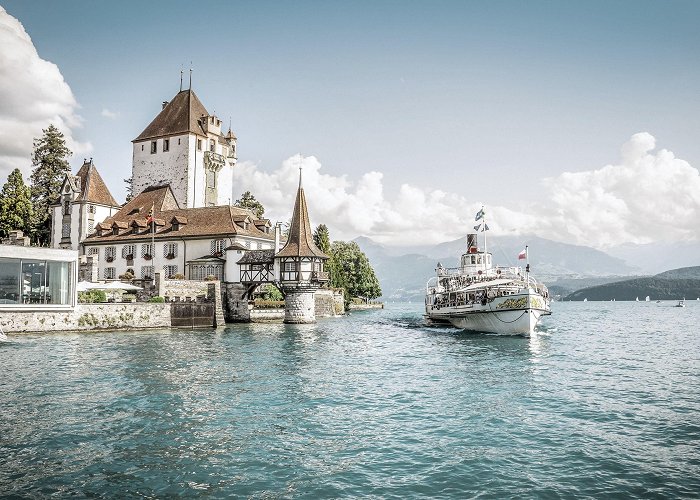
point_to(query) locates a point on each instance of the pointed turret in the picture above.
(299, 266)
(300, 242)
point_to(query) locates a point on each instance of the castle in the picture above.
(180, 222)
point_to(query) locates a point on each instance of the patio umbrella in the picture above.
(118, 285)
(84, 286)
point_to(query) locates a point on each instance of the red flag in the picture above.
(150, 213)
(523, 255)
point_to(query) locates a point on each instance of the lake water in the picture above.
(603, 401)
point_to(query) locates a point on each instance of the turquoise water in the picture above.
(604, 401)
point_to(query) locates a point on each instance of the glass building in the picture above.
(37, 278)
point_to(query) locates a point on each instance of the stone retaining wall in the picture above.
(136, 316)
(266, 315)
(363, 307)
(192, 290)
(329, 303)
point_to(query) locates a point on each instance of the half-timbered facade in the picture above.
(151, 233)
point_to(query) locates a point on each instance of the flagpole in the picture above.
(527, 265)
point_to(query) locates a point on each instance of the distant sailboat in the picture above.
(637, 299)
(647, 299)
(586, 299)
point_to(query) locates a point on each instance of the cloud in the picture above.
(646, 197)
(33, 94)
(413, 215)
(109, 114)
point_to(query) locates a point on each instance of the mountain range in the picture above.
(670, 285)
(404, 271)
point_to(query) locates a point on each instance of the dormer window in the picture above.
(115, 231)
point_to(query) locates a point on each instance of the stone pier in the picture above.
(299, 304)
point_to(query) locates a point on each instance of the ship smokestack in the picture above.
(471, 242)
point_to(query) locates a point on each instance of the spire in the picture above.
(300, 242)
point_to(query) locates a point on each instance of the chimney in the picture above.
(165, 103)
(471, 242)
(278, 236)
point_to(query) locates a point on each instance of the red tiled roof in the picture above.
(180, 116)
(300, 242)
(205, 221)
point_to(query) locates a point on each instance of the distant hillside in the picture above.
(403, 277)
(656, 288)
(566, 286)
(691, 273)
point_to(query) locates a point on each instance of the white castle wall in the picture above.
(163, 167)
(182, 167)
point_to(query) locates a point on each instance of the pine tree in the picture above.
(15, 205)
(322, 238)
(129, 188)
(248, 201)
(50, 161)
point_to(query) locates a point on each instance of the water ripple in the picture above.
(602, 401)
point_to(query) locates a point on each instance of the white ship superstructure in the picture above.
(481, 297)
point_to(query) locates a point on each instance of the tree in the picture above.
(50, 161)
(248, 201)
(15, 205)
(350, 269)
(129, 188)
(322, 238)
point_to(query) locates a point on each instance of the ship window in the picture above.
(473, 259)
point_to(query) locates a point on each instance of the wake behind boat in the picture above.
(480, 297)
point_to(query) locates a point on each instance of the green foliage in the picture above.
(248, 201)
(269, 304)
(50, 162)
(15, 205)
(129, 188)
(157, 299)
(92, 296)
(271, 292)
(322, 238)
(350, 269)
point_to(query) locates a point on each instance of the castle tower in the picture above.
(300, 266)
(185, 147)
(83, 202)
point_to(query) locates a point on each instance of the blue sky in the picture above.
(481, 99)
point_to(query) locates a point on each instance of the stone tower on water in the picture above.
(185, 147)
(300, 266)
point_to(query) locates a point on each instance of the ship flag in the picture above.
(483, 227)
(523, 255)
(480, 214)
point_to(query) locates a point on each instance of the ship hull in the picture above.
(501, 316)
